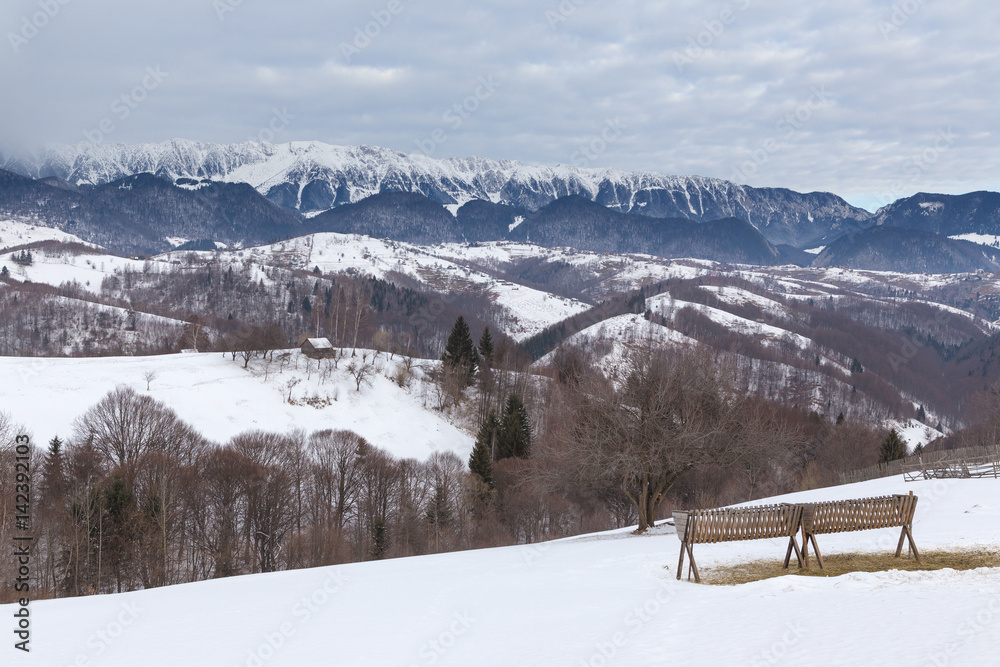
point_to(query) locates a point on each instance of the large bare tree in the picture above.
(658, 414)
(125, 425)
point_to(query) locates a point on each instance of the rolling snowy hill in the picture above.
(602, 599)
(220, 399)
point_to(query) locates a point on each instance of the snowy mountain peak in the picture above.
(313, 176)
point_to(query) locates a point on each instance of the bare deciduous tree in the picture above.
(362, 373)
(125, 425)
(659, 415)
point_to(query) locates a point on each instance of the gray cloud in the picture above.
(723, 89)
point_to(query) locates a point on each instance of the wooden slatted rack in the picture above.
(731, 524)
(737, 523)
(841, 516)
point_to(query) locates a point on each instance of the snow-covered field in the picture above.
(15, 233)
(605, 599)
(220, 399)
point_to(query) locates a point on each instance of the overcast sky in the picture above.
(870, 100)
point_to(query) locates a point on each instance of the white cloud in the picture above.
(751, 64)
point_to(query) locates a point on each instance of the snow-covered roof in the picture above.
(320, 343)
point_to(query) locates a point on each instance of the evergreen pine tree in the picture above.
(840, 419)
(486, 346)
(439, 509)
(4, 273)
(514, 435)
(481, 460)
(892, 448)
(380, 540)
(53, 474)
(460, 352)
(921, 414)
(856, 366)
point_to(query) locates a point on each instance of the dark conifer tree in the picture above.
(892, 448)
(481, 460)
(460, 352)
(486, 347)
(54, 481)
(514, 435)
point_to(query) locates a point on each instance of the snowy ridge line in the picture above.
(180, 158)
(314, 176)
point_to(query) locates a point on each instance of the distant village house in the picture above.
(317, 348)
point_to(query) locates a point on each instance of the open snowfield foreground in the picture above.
(221, 399)
(606, 599)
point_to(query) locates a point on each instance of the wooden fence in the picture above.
(785, 520)
(984, 460)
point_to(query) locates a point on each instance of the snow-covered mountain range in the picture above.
(313, 177)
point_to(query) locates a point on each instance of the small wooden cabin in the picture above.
(317, 348)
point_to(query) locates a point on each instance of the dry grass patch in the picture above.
(838, 564)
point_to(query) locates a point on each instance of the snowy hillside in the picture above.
(220, 399)
(15, 233)
(526, 311)
(601, 599)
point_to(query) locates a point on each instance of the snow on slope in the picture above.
(14, 233)
(737, 296)
(622, 333)
(992, 240)
(58, 267)
(371, 169)
(605, 599)
(221, 399)
(913, 433)
(617, 272)
(665, 305)
(530, 310)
